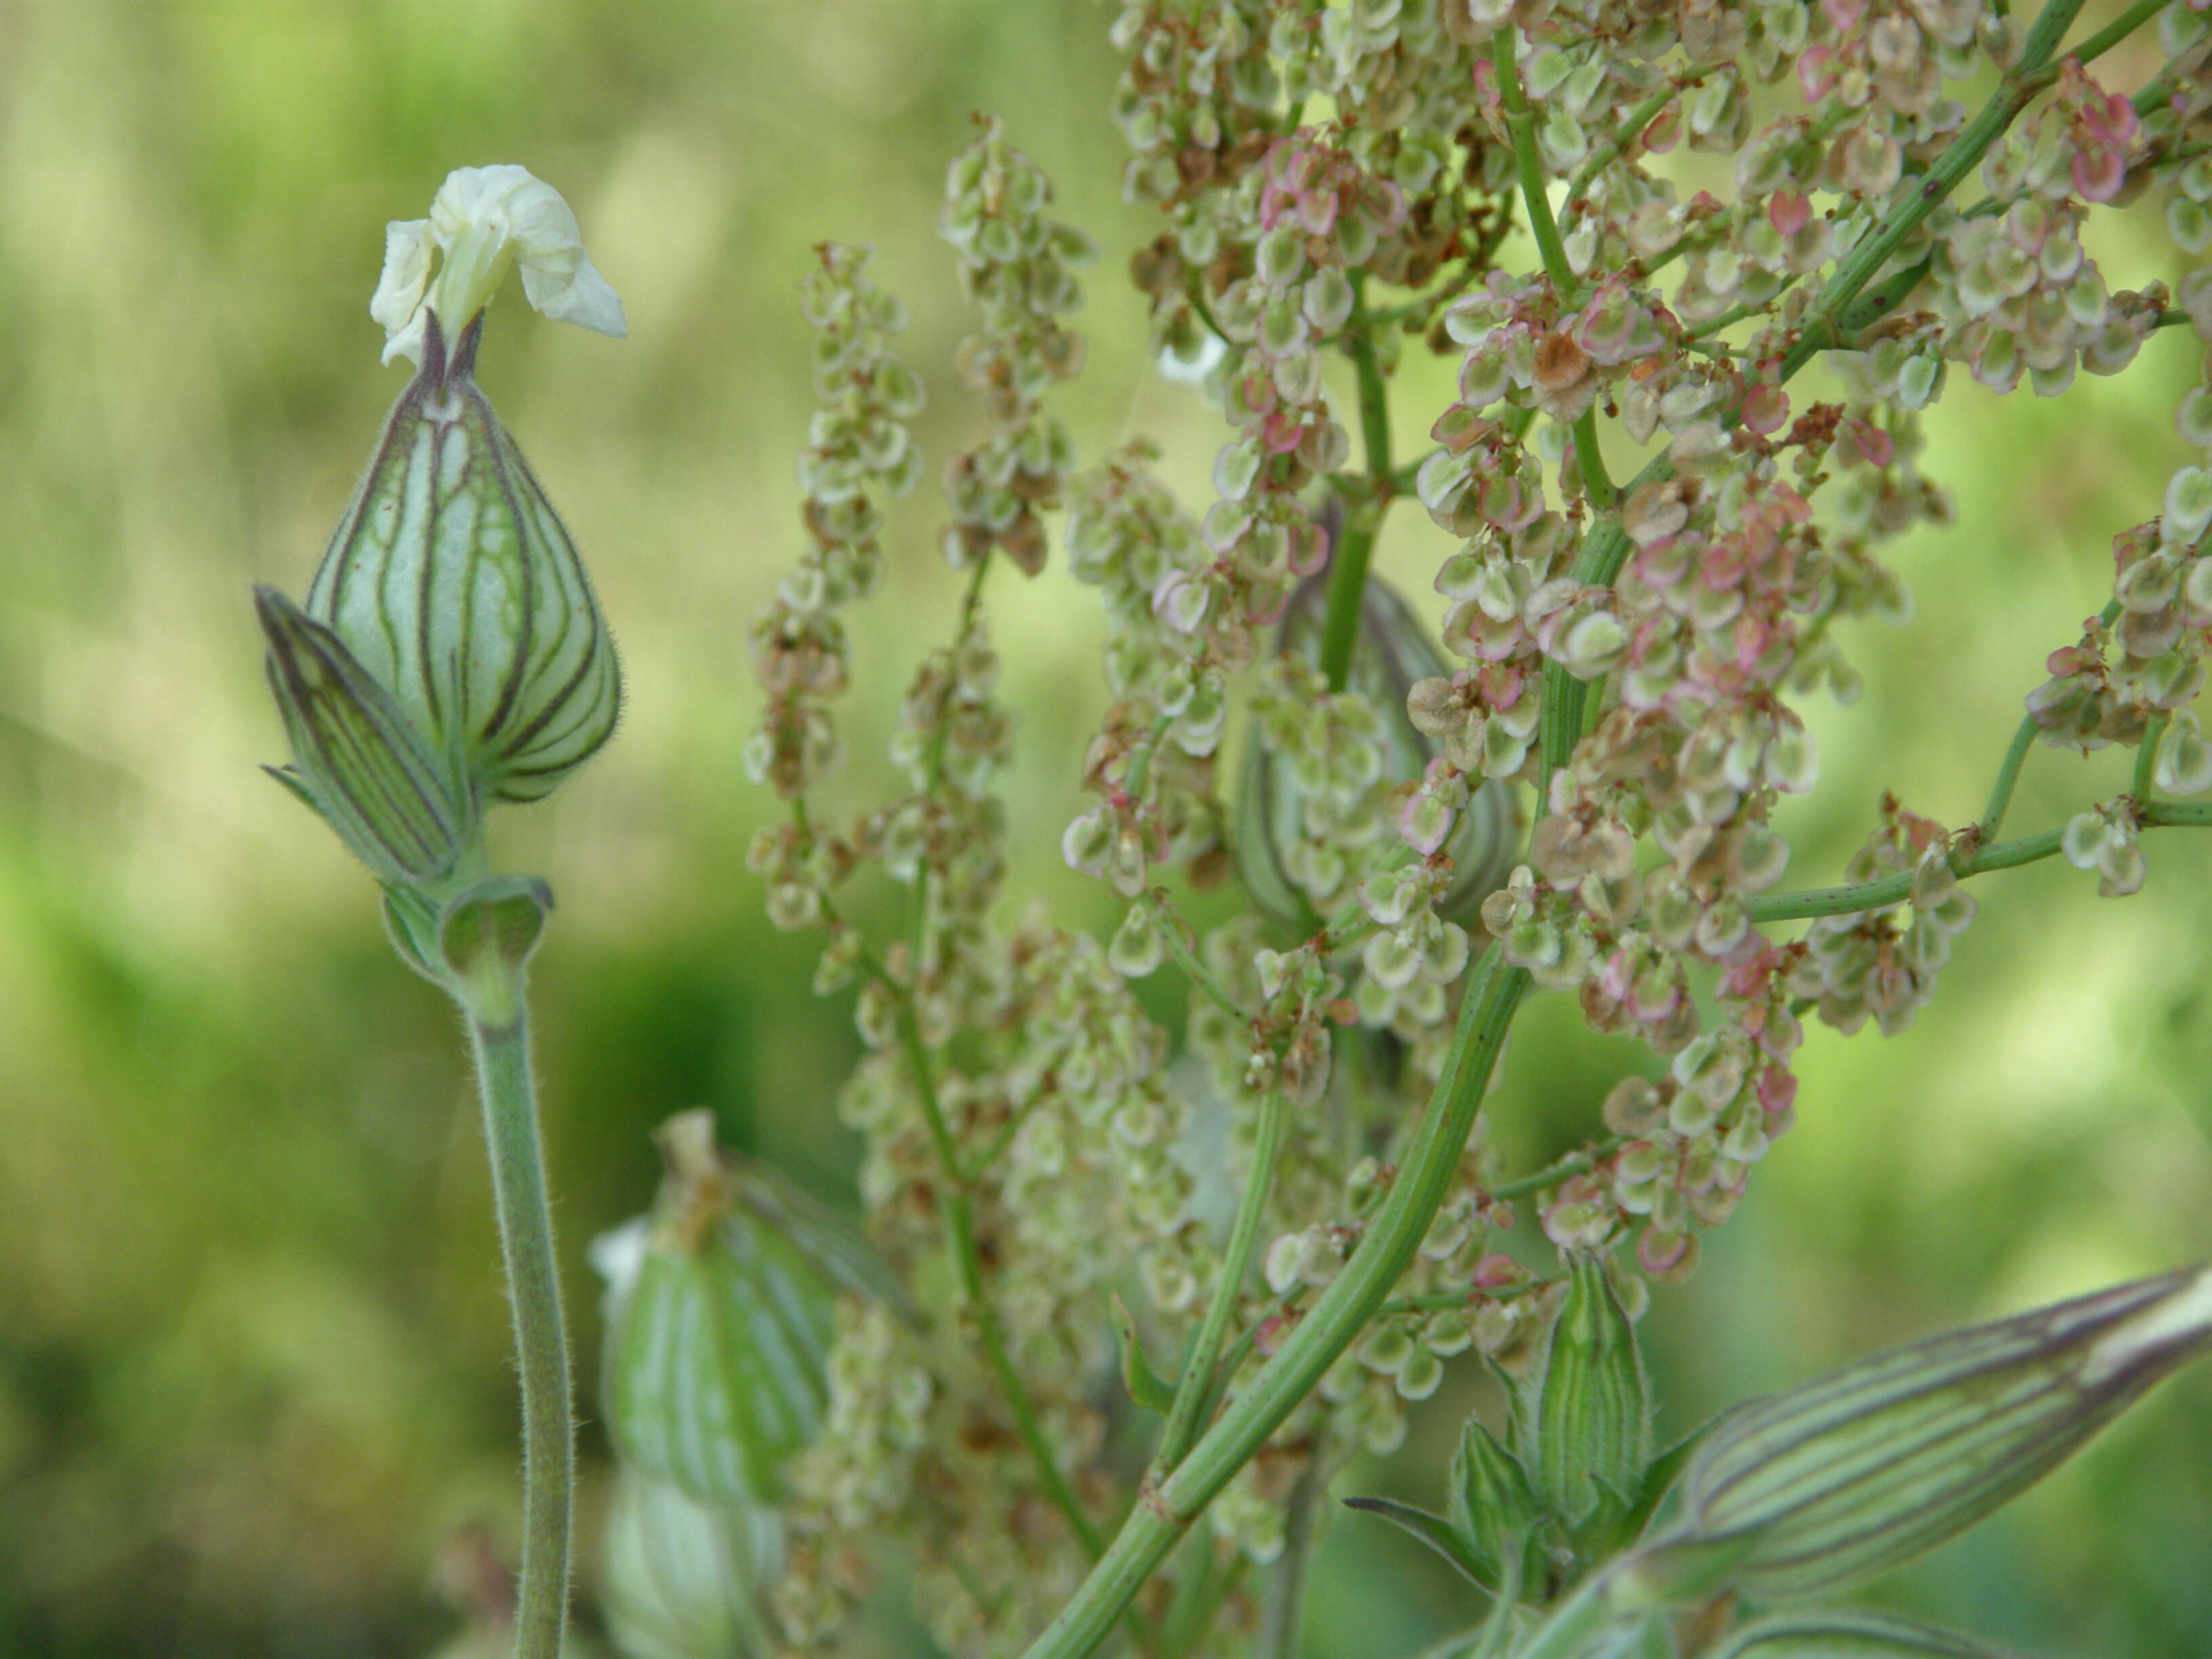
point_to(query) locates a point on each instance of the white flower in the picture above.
(483, 220)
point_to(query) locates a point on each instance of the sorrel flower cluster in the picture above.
(1628, 231)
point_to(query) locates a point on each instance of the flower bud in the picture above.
(1837, 1633)
(356, 761)
(1588, 1409)
(683, 1580)
(453, 584)
(1812, 1491)
(1493, 1509)
(1394, 650)
(720, 1328)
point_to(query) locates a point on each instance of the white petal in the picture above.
(584, 298)
(398, 301)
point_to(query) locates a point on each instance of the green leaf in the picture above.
(1148, 1388)
(1438, 1534)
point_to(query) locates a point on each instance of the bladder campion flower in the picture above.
(483, 221)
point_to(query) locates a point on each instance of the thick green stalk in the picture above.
(1362, 522)
(498, 1038)
(1196, 1387)
(1164, 1510)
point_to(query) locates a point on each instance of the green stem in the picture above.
(1195, 1387)
(1597, 483)
(2147, 757)
(1282, 1607)
(1164, 1512)
(1347, 576)
(1521, 122)
(1201, 978)
(1894, 889)
(2118, 30)
(500, 1047)
(1140, 759)
(971, 604)
(1198, 1601)
(2016, 756)
(1572, 1165)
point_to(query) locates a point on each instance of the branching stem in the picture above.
(1166, 1509)
(1195, 1387)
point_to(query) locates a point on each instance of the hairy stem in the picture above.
(1347, 576)
(500, 1047)
(1164, 1511)
(1195, 1388)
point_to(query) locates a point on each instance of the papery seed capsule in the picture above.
(683, 1580)
(1394, 650)
(455, 584)
(356, 760)
(719, 1337)
(1812, 1491)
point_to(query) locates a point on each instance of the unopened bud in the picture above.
(1589, 1407)
(1812, 1491)
(1393, 651)
(718, 1333)
(680, 1577)
(454, 583)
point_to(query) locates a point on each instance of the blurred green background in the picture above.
(253, 1356)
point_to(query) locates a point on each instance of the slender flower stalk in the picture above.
(497, 1017)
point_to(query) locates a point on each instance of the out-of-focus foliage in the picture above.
(253, 1363)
